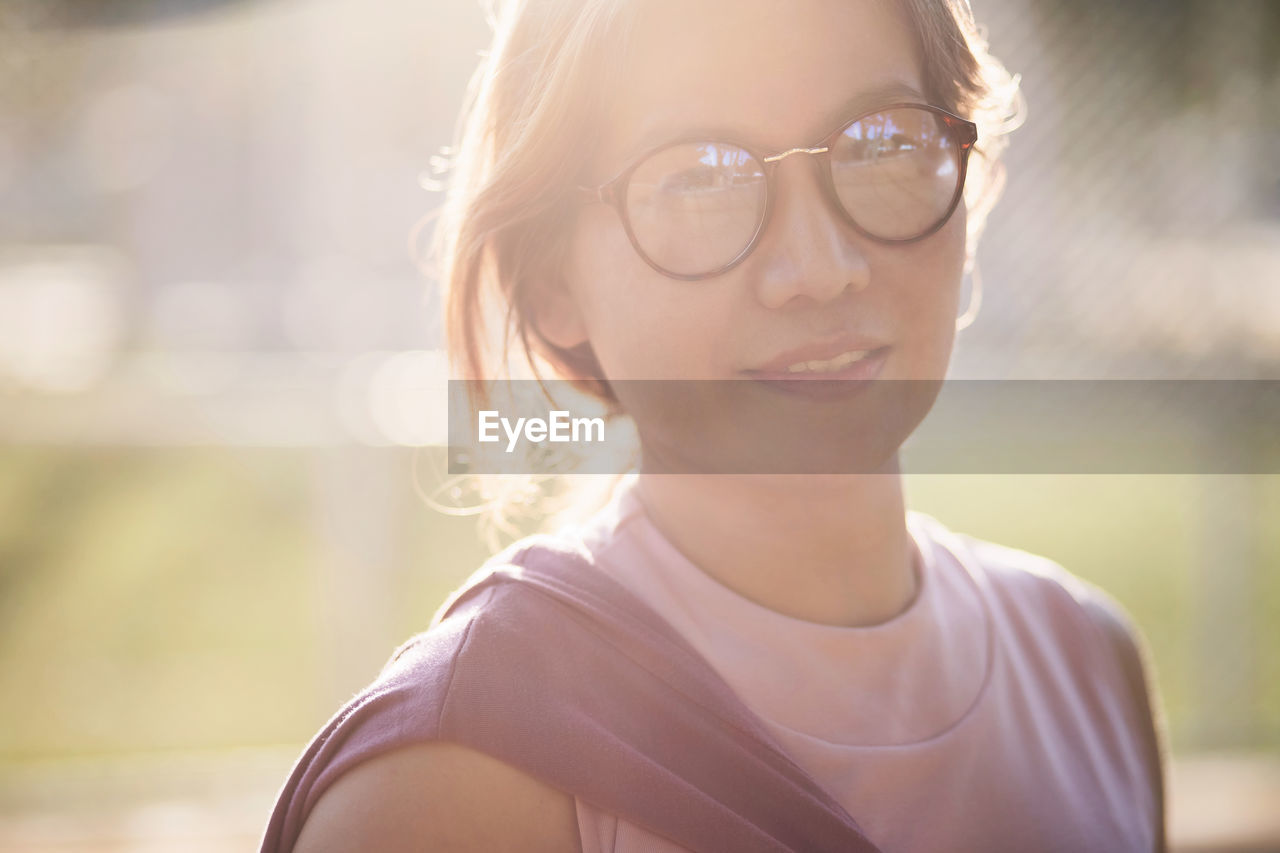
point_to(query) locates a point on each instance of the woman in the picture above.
(761, 191)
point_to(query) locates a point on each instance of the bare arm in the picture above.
(440, 797)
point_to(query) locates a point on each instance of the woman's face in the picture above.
(777, 76)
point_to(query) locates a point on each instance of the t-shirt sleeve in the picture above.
(1051, 586)
(1135, 661)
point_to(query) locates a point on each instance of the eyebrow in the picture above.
(864, 101)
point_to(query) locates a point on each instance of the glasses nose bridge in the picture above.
(785, 154)
(771, 165)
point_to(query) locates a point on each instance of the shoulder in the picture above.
(428, 750)
(1063, 623)
(1030, 588)
(1054, 598)
(1044, 614)
(439, 796)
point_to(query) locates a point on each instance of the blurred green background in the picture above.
(159, 599)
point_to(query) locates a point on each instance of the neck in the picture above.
(831, 549)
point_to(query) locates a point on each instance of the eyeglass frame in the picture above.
(613, 192)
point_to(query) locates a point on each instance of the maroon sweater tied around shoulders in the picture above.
(569, 677)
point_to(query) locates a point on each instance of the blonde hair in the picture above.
(525, 129)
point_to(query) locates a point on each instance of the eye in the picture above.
(874, 146)
(899, 143)
(694, 180)
(695, 173)
(888, 134)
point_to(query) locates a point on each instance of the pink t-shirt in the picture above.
(989, 715)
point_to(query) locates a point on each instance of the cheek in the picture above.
(639, 323)
(948, 259)
(932, 275)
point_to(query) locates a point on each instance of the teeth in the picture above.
(830, 366)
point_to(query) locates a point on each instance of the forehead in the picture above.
(775, 73)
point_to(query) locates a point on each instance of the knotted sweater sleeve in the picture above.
(565, 676)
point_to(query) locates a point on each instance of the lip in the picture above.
(820, 351)
(849, 380)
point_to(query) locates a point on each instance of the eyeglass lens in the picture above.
(694, 207)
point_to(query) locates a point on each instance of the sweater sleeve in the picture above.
(567, 677)
(403, 706)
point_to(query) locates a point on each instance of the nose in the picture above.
(808, 252)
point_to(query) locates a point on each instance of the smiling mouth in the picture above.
(851, 365)
(830, 365)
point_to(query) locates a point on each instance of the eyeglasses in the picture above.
(695, 209)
